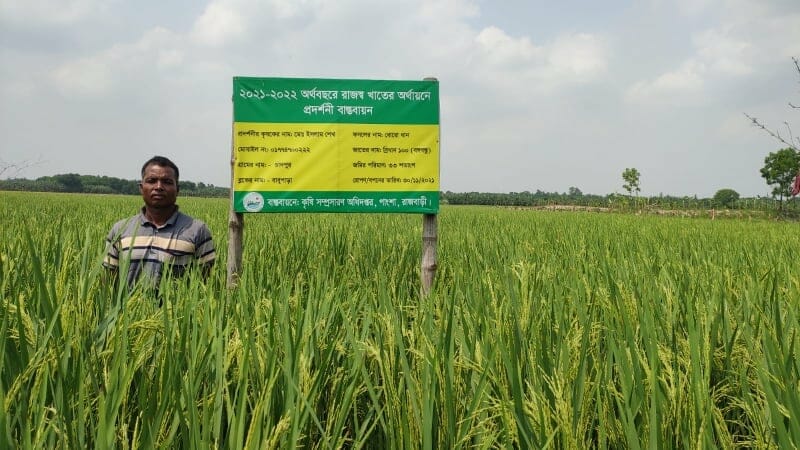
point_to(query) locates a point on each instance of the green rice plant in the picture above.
(543, 330)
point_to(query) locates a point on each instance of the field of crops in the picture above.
(544, 330)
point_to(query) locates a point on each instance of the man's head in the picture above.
(159, 185)
(163, 162)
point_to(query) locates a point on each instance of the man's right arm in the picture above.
(205, 252)
(110, 276)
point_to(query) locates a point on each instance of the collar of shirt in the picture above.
(171, 221)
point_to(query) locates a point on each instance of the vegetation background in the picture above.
(724, 199)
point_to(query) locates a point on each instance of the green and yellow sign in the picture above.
(327, 145)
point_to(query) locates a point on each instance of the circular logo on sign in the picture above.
(253, 202)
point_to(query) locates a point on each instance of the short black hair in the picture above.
(163, 162)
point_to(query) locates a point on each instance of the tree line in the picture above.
(723, 199)
(93, 184)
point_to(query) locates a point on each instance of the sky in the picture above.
(534, 95)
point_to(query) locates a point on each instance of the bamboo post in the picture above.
(235, 233)
(430, 236)
(429, 261)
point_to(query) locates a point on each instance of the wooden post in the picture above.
(430, 236)
(429, 260)
(235, 233)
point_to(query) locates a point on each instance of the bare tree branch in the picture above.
(796, 66)
(9, 170)
(792, 142)
(776, 134)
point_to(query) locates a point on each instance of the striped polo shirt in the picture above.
(148, 249)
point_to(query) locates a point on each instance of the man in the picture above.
(160, 241)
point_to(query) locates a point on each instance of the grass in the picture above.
(544, 330)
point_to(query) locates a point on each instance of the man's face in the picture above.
(159, 187)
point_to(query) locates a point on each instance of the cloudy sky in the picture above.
(534, 94)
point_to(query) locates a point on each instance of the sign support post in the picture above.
(235, 233)
(430, 234)
(429, 260)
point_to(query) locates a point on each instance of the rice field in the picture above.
(564, 330)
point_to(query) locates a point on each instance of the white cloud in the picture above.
(681, 86)
(84, 77)
(581, 57)
(501, 50)
(724, 54)
(220, 24)
(100, 73)
(55, 12)
(506, 61)
(169, 58)
(730, 10)
(286, 9)
(749, 36)
(455, 10)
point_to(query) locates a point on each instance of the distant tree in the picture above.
(574, 192)
(70, 181)
(94, 184)
(97, 189)
(726, 197)
(631, 177)
(779, 171)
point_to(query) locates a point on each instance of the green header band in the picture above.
(321, 100)
(337, 201)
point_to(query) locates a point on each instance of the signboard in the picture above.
(328, 145)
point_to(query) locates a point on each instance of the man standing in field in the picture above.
(160, 241)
